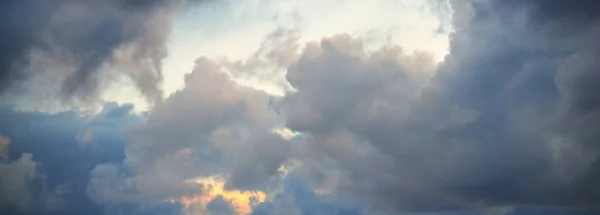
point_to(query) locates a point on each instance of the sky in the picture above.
(288, 107)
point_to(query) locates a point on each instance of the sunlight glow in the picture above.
(214, 186)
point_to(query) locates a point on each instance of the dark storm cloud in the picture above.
(509, 118)
(18, 36)
(575, 13)
(558, 77)
(84, 36)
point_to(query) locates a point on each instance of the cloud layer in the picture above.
(506, 124)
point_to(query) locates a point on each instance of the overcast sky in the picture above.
(285, 107)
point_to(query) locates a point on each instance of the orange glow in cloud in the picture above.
(242, 201)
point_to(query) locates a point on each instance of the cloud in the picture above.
(502, 123)
(575, 14)
(505, 124)
(4, 143)
(15, 182)
(71, 50)
(219, 206)
(507, 120)
(265, 68)
(238, 201)
(18, 180)
(213, 127)
(297, 198)
(61, 166)
(55, 200)
(85, 138)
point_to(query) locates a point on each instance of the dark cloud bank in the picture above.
(81, 43)
(509, 119)
(507, 124)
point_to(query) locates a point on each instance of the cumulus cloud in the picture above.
(507, 120)
(298, 198)
(16, 180)
(71, 50)
(219, 206)
(17, 183)
(61, 173)
(212, 127)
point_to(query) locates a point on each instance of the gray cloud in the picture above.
(572, 15)
(4, 143)
(258, 162)
(15, 182)
(219, 206)
(507, 120)
(16, 178)
(85, 138)
(111, 185)
(297, 198)
(18, 185)
(61, 173)
(211, 127)
(80, 45)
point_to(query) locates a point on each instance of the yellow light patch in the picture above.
(242, 201)
(285, 133)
